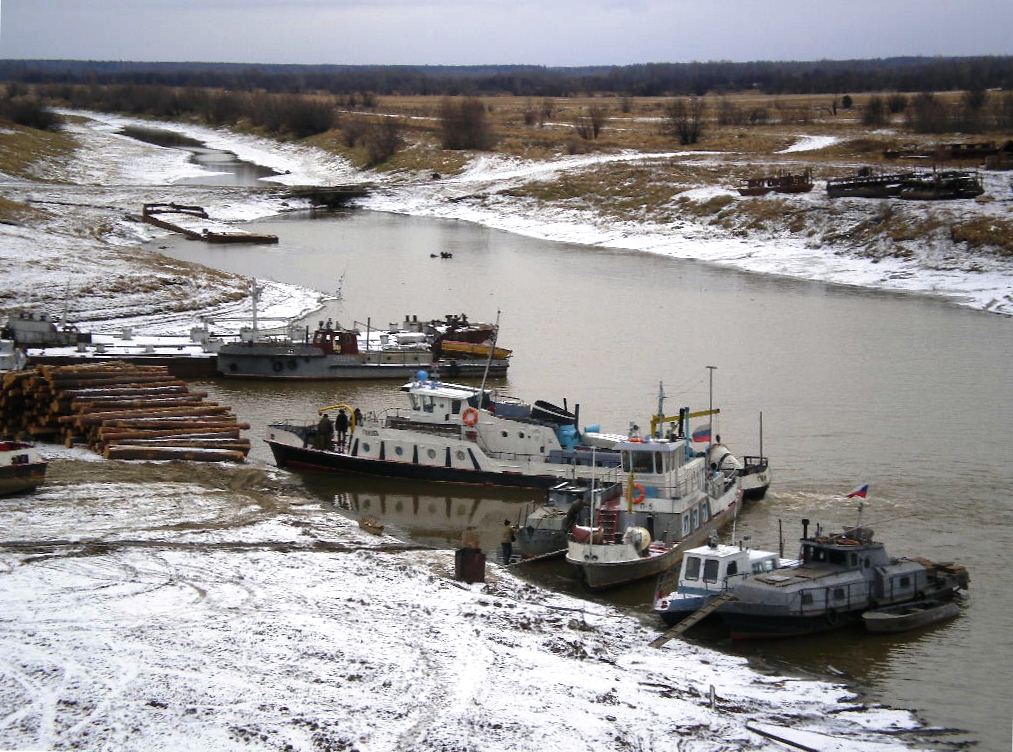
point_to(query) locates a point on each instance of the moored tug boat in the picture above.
(22, 468)
(707, 572)
(841, 576)
(671, 503)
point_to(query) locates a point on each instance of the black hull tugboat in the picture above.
(840, 578)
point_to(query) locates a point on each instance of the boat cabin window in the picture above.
(710, 570)
(639, 462)
(692, 568)
(733, 568)
(905, 582)
(659, 463)
(427, 404)
(807, 598)
(455, 407)
(839, 594)
(853, 559)
(414, 401)
(837, 557)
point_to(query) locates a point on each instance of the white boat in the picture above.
(459, 434)
(672, 502)
(709, 571)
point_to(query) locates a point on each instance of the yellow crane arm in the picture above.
(657, 420)
(340, 405)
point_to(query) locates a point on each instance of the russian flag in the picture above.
(861, 492)
(702, 434)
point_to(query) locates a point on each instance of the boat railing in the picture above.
(825, 598)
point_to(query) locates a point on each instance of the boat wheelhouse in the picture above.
(672, 502)
(706, 572)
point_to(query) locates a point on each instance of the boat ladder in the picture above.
(693, 619)
(609, 521)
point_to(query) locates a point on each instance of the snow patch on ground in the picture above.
(298, 164)
(810, 143)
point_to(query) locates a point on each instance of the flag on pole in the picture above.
(702, 434)
(861, 492)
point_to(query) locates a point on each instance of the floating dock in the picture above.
(193, 222)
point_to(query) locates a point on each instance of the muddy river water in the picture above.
(910, 394)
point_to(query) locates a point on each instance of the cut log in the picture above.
(174, 412)
(110, 434)
(172, 453)
(223, 421)
(238, 445)
(127, 391)
(88, 406)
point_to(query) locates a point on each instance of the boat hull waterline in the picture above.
(286, 455)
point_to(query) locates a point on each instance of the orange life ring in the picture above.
(470, 417)
(639, 493)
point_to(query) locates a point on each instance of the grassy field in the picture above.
(23, 151)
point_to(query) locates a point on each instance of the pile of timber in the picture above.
(121, 410)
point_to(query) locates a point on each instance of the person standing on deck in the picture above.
(325, 432)
(341, 426)
(507, 541)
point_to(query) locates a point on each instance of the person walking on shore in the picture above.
(507, 541)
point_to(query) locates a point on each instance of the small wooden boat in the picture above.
(452, 349)
(22, 468)
(911, 615)
(371, 525)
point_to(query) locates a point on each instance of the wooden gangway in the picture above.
(693, 619)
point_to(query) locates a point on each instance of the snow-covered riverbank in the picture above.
(85, 225)
(169, 618)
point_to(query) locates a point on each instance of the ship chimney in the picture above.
(805, 527)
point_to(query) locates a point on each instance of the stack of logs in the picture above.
(121, 410)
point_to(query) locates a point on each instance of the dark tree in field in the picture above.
(30, 112)
(684, 120)
(927, 114)
(589, 126)
(897, 103)
(874, 112)
(464, 124)
(846, 102)
(382, 141)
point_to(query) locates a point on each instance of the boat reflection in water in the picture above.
(429, 513)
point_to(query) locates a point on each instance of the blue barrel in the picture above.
(567, 436)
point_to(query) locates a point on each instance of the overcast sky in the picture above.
(545, 32)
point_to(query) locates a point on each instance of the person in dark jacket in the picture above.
(341, 426)
(507, 541)
(325, 432)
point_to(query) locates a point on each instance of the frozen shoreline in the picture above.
(110, 170)
(184, 630)
(202, 612)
